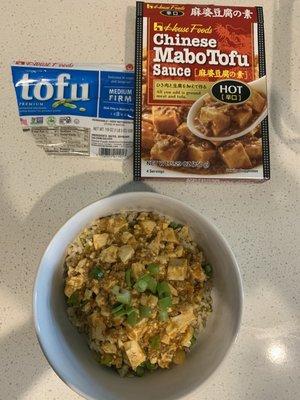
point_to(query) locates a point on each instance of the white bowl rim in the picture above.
(52, 361)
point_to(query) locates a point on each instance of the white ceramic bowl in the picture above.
(67, 350)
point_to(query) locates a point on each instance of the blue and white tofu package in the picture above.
(77, 109)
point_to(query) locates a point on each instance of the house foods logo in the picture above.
(172, 13)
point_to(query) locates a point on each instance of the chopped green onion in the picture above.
(117, 308)
(123, 296)
(146, 282)
(193, 340)
(153, 268)
(175, 225)
(128, 277)
(73, 300)
(165, 303)
(96, 273)
(145, 311)
(163, 315)
(141, 284)
(129, 310)
(155, 342)
(120, 310)
(115, 290)
(133, 318)
(106, 360)
(152, 284)
(139, 371)
(120, 313)
(150, 366)
(163, 289)
(123, 370)
(208, 270)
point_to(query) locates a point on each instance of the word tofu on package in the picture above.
(76, 109)
(201, 93)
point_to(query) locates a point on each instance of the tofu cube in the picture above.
(148, 226)
(100, 240)
(148, 135)
(196, 152)
(167, 148)
(134, 353)
(126, 252)
(242, 117)
(185, 318)
(154, 245)
(254, 149)
(186, 340)
(185, 134)
(198, 273)
(115, 224)
(138, 269)
(109, 255)
(74, 283)
(169, 236)
(97, 326)
(126, 236)
(235, 156)
(257, 102)
(216, 117)
(165, 119)
(177, 269)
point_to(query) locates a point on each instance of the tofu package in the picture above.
(76, 109)
(201, 108)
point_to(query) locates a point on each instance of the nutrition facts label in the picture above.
(63, 139)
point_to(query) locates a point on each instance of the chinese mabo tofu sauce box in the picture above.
(201, 93)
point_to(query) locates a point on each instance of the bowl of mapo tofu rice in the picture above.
(139, 287)
(137, 295)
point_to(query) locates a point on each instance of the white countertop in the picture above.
(38, 194)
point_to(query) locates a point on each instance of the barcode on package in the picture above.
(107, 152)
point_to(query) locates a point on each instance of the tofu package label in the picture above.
(76, 109)
(201, 108)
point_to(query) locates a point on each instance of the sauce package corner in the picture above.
(76, 109)
(201, 107)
